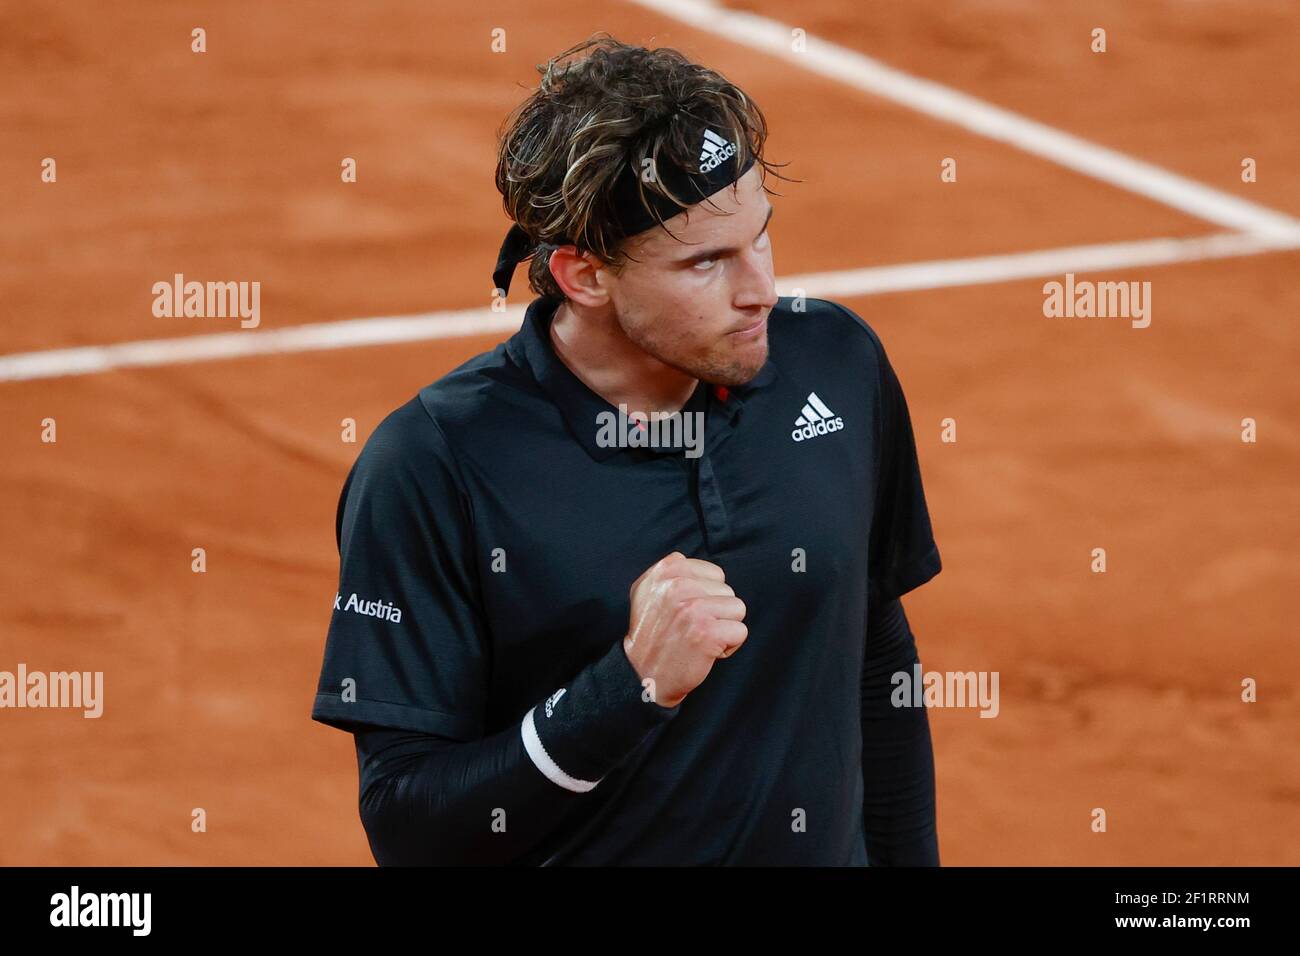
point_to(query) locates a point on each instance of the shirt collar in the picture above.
(531, 348)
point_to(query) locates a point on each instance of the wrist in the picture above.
(582, 731)
(649, 687)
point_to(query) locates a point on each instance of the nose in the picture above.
(756, 285)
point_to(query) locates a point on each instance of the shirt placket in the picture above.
(709, 499)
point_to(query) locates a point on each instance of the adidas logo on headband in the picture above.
(715, 151)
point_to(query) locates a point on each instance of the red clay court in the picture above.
(1120, 690)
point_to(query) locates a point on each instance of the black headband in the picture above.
(717, 168)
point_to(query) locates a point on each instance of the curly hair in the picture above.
(602, 106)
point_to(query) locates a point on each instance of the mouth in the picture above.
(751, 331)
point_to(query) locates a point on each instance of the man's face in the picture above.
(700, 302)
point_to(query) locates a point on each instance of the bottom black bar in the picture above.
(335, 905)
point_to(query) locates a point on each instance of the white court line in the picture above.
(947, 273)
(951, 106)
(389, 330)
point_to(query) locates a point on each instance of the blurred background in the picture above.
(1119, 690)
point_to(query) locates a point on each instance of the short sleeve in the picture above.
(406, 646)
(902, 552)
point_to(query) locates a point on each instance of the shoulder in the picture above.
(403, 468)
(805, 327)
(409, 449)
(402, 437)
(465, 400)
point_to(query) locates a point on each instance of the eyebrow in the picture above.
(717, 251)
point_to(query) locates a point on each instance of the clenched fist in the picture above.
(684, 617)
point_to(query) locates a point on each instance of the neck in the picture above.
(595, 348)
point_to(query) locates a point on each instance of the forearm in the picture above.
(429, 801)
(897, 753)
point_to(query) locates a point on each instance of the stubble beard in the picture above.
(725, 364)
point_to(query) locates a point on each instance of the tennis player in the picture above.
(625, 589)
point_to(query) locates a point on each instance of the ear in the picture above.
(580, 275)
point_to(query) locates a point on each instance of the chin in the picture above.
(738, 370)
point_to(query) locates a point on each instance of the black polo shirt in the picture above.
(491, 538)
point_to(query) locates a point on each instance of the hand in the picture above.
(684, 618)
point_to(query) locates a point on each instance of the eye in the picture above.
(762, 240)
(704, 265)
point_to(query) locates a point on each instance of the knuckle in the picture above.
(695, 617)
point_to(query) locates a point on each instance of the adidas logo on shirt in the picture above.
(715, 151)
(816, 419)
(553, 700)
